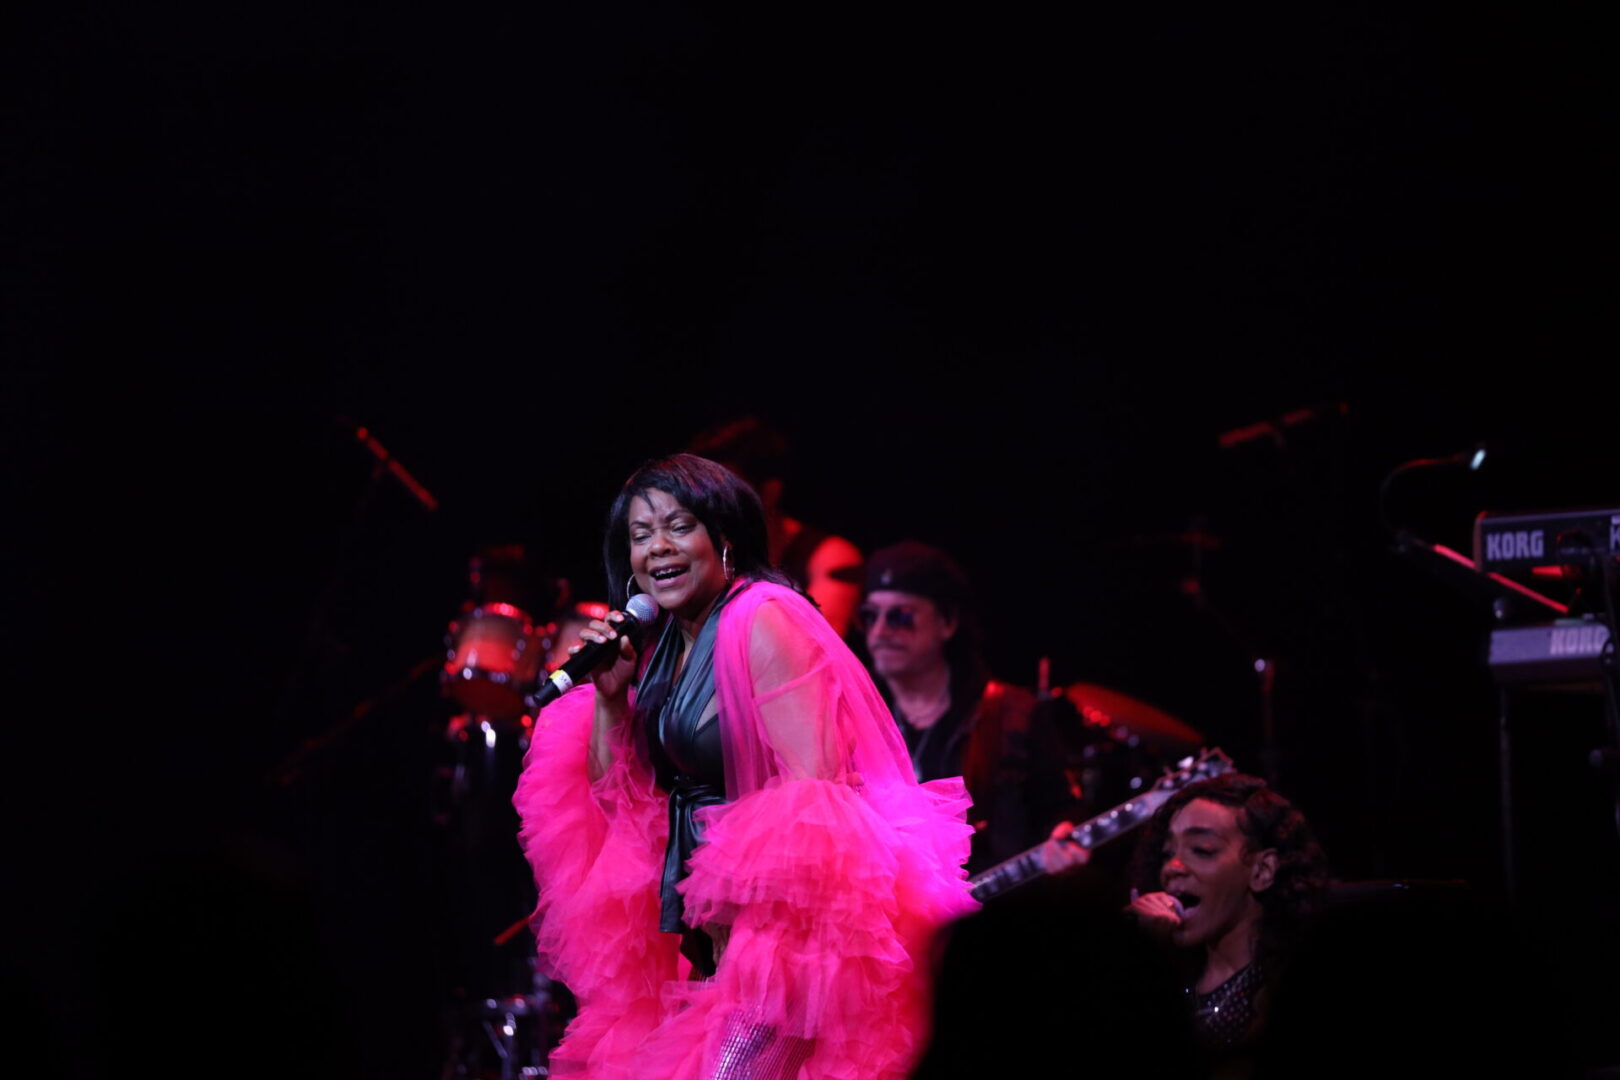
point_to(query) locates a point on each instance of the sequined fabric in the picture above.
(751, 1050)
(1225, 1016)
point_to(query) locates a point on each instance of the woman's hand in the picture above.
(612, 689)
(612, 680)
(1158, 913)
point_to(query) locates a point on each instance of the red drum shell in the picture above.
(494, 655)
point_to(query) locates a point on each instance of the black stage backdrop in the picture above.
(1004, 281)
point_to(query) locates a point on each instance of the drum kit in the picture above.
(497, 649)
(493, 657)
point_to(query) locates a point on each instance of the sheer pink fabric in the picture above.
(830, 866)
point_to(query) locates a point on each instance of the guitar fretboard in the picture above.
(1102, 828)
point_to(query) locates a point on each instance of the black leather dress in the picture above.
(683, 739)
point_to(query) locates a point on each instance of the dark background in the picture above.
(1002, 279)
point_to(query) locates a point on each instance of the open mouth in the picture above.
(668, 573)
(1187, 901)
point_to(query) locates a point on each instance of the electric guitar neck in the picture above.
(1105, 826)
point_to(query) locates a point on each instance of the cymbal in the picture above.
(1101, 707)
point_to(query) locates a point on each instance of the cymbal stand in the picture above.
(518, 1031)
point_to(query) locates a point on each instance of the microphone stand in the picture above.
(316, 629)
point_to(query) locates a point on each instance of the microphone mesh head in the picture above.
(641, 608)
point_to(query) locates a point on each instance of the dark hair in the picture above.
(728, 508)
(1267, 820)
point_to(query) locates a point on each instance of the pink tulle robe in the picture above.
(830, 864)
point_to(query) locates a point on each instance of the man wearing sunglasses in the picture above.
(919, 629)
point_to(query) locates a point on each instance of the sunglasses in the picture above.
(898, 617)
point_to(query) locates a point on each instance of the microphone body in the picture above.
(639, 612)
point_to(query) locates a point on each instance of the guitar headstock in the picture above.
(1210, 763)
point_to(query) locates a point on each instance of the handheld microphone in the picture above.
(639, 612)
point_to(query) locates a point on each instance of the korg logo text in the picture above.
(1524, 544)
(1578, 641)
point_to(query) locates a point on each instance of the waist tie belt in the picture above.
(686, 797)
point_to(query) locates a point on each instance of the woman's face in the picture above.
(672, 557)
(1210, 870)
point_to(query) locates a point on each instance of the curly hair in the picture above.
(1267, 820)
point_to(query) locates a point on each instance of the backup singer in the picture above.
(739, 874)
(1234, 870)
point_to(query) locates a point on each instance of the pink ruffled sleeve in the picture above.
(831, 865)
(597, 851)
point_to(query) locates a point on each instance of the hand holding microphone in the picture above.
(1158, 913)
(601, 643)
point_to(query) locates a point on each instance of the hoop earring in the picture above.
(631, 587)
(725, 564)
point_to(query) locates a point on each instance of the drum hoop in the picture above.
(505, 611)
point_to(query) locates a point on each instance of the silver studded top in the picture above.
(1226, 1015)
